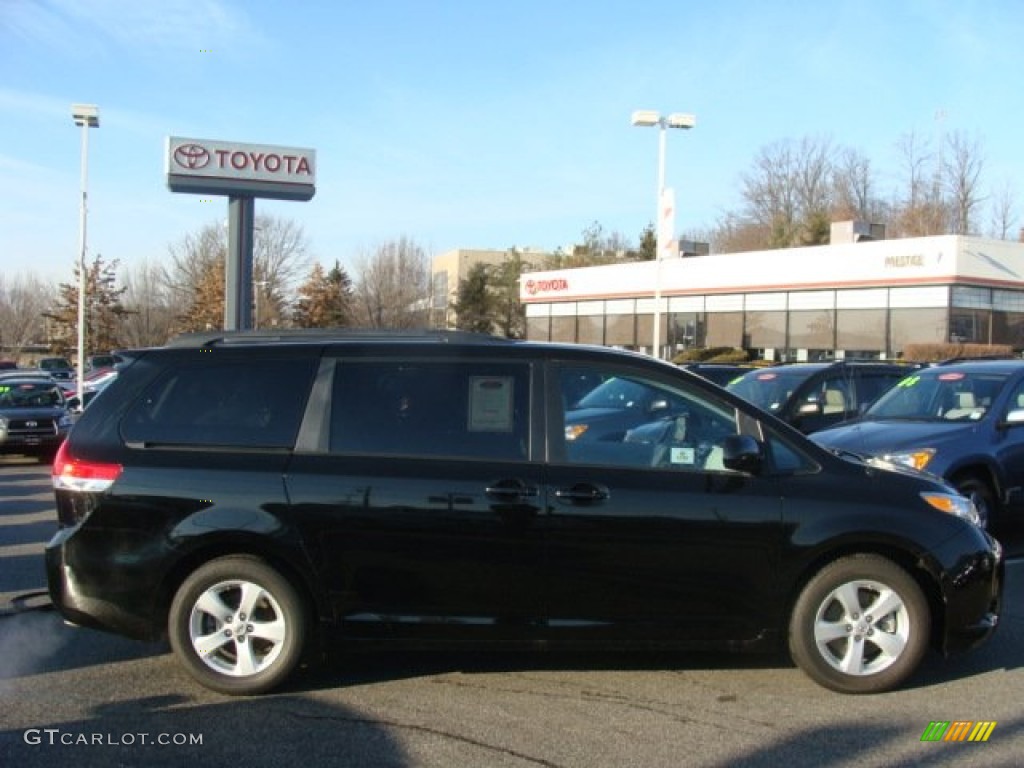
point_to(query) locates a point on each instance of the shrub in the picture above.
(930, 353)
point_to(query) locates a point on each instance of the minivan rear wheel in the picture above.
(861, 625)
(238, 626)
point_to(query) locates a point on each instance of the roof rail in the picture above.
(199, 339)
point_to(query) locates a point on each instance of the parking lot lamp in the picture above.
(87, 116)
(648, 118)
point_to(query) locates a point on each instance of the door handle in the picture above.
(511, 489)
(583, 492)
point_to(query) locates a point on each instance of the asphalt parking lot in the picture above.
(96, 699)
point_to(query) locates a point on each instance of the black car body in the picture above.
(247, 495)
(813, 396)
(34, 418)
(962, 421)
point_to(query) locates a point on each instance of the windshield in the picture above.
(939, 395)
(30, 395)
(620, 394)
(769, 389)
(54, 363)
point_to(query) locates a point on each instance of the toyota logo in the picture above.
(192, 156)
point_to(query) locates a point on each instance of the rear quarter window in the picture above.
(253, 404)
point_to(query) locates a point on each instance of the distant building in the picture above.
(859, 296)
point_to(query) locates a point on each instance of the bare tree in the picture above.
(920, 210)
(195, 274)
(854, 183)
(1004, 202)
(149, 309)
(962, 171)
(23, 300)
(393, 286)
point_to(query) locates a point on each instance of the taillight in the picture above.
(70, 474)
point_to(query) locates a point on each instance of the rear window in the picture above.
(251, 404)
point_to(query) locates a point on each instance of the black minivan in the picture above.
(252, 494)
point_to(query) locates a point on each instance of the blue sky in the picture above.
(465, 124)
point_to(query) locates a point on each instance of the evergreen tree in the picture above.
(474, 303)
(325, 299)
(103, 310)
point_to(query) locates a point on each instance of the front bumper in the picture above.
(972, 589)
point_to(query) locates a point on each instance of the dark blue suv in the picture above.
(961, 420)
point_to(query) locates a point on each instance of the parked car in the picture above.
(962, 421)
(58, 367)
(615, 406)
(34, 419)
(94, 383)
(813, 396)
(103, 362)
(251, 496)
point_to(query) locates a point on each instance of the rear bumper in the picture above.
(94, 596)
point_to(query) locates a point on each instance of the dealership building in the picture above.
(857, 297)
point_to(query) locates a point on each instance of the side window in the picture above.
(433, 408)
(249, 404)
(832, 393)
(633, 421)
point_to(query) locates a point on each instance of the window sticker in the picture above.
(767, 376)
(681, 454)
(490, 403)
(951, 376)
(909, 381)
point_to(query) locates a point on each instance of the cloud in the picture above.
(167, 27)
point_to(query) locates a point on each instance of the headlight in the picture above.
(914, 459)
(953, 504)
(575, 430)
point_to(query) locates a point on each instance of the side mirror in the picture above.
(742, 453)
(810, 409)
(661, 404)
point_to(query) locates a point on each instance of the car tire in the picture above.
(238, 626)
(978, 491)
(840, 641)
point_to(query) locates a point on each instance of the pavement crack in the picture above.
(416, 728)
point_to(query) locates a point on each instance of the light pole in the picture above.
(87, 116)
(665, 204)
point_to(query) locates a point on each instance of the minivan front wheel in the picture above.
(861, 625)
(238, 626)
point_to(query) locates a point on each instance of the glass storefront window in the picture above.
(620, 331)
(860, 329)
(563, 329)
(765, 330)
(919, 325)
(812, 329)
(591, 329)
(725, 329)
